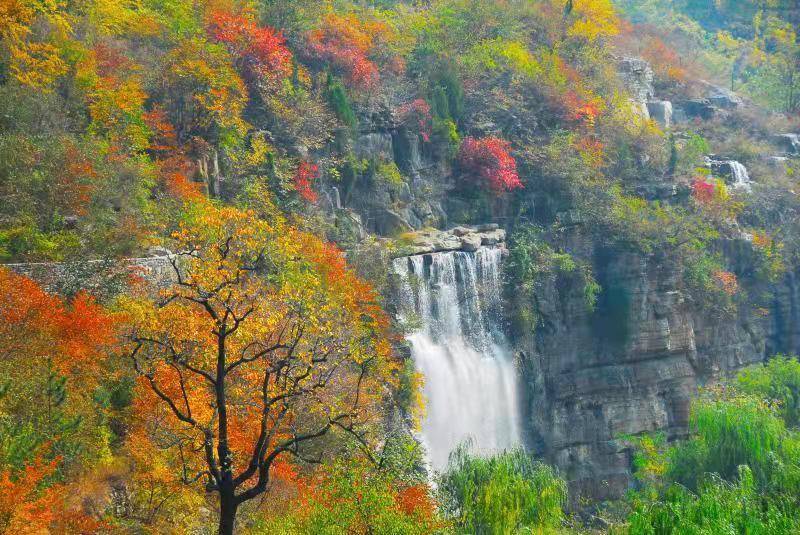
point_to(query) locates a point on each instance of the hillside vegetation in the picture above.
(262, 385)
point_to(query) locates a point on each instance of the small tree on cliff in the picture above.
(488, 163)
(264, 344)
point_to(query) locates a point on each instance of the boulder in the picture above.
(493, 237)
(661, 112)
(447, 242)
(390, 223)
(471, 242)
(789, 143)
(699, 108)
(723, 98)
(778, 162)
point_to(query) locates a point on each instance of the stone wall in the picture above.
(89, 274)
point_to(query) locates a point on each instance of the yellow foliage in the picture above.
(592, 19)
(35, 60)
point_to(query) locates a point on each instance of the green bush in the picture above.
(504, 494)
(777, 380)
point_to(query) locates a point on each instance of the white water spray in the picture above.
(470, 380)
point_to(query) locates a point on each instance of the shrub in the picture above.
(504, 494)
(488, 163)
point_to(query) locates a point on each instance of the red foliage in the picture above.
(261, 51)
(418, 110)
(702, 191)
(488, 161)
(306, 173)
(111, 60)
(345, 44)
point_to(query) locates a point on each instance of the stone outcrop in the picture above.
(633, 365)
(722, 97)
(637, 76)
(696, 108)
(462, 238)
(661, 112)
(788, 143)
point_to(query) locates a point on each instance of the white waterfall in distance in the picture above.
(470, 379)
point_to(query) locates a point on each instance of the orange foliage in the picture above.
(304, 350)
(175, 168)
(29, 506)
(37, 325)
(581, 109)
(665, 61)
(76, 182)
(415, 500)
(727, 282)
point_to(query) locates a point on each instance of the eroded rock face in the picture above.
(637, 76)
(696, 108)
(633, 365)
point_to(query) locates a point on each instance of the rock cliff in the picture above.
(632, 366)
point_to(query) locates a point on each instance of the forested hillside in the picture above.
(444, 266)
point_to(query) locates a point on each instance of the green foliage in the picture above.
(446, 94)
(531, 263)
(730, 431)
(690, 152)
(738, 472)
(354, 497)
(777, 380)
(718, 507)
(389, 173)
(336, 95)
(504, 494)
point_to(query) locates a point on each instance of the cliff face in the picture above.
(633, 365)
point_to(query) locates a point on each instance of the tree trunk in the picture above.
(227, 515)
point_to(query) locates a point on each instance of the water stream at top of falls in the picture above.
(470, 380)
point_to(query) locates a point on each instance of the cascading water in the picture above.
(736, 172)
(470, 379)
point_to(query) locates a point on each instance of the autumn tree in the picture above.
(353, 47)
(260, 53)
(264, 344)
(52, 358)
(488, 162)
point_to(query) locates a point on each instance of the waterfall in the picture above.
(470, 379)
(735, 172)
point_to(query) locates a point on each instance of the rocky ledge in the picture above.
(461, 238)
